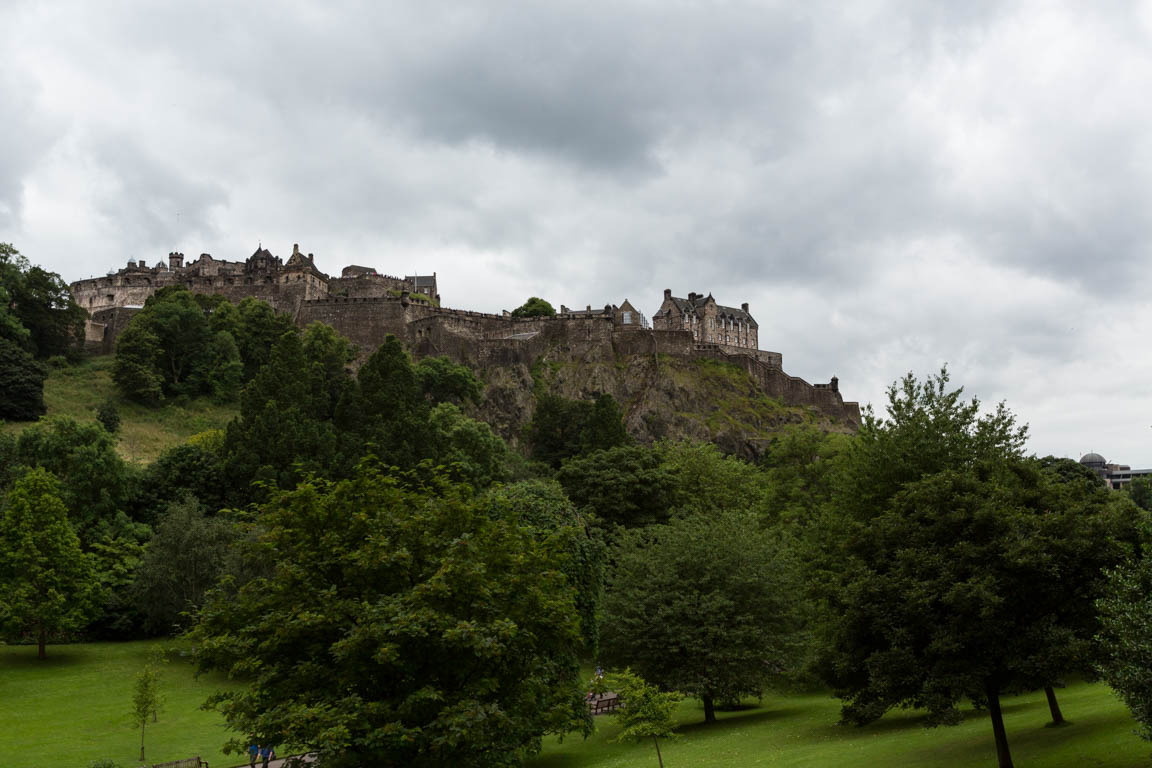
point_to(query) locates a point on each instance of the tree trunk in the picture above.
(141, 742)
(1003, 756)
(709, 709)
(42, 651)
(1054, 706)
(659, 759)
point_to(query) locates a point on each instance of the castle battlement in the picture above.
(367, 306)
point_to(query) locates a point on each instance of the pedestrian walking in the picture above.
(266, 754)
(253, 753)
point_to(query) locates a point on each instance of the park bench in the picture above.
(603, 703)
(190, 762)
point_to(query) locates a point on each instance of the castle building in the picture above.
(367, 306)
(733, 330)
(284, 285)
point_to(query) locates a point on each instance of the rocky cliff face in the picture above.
(662, 396)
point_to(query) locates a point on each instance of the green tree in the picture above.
(1140, 491)
(282, 432)
(542, 506)
(108, 415)
(627, 485)
(22, 382)
(710, 481)
(47, 584)
(561, 428)
(40, 303)
(706, 604)
(800, 466)
(1125, 655)
(444, 381)
(145, 701)
(186, 558)
(187, 470)
(95, 483)
(929, 429)
(534, 307)
(411, 629)
(135, 370)
(261, 327)
(468, 448)
(969, 586)
(225, 368)
(646, 711)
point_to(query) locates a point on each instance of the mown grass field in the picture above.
(73, 707)
(145, 432)
(799, 730)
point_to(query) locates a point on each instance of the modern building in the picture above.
(1115, 476)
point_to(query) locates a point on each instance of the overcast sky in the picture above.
(891, 185)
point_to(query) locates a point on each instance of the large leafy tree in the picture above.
(929, 428)
(22, 382)
(1125, 656)
(95, 483)
(534, 307)
(542, 506)
(561, 428)
(47, 584)
(951, 568)
(706, 604)
(170, 341)
(627, 485)
(36, 307)
(283, 431)
(185, 558)
(398, 628)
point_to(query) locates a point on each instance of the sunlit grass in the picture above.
(145, 432)
(73, 707)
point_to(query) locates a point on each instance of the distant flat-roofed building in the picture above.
(1115, 476)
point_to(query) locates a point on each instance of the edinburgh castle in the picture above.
(366, 306)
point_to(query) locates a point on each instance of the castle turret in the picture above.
(175, 261)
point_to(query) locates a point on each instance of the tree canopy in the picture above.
(534, 307)
(706, 604)
(412, 628)
(47, 584)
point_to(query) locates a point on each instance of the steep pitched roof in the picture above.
(692, 305)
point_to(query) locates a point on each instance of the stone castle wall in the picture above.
(366, 309)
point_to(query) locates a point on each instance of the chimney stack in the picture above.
(744, 306)
(667, 293)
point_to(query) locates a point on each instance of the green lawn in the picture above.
(145, 432)
(73, 708)
(801, 730)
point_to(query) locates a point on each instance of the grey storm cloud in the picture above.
(891, 184)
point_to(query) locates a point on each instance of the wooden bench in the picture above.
(188, 762)
(604, 703)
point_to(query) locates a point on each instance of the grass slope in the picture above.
(145, 432)
(74, 706)
(800, 731)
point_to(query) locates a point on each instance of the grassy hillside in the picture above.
(75, 391)
(800, 731)
(73, 708)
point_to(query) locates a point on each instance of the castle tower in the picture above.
(175, 261)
